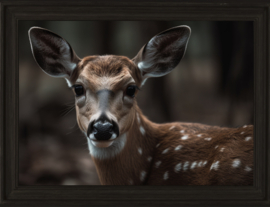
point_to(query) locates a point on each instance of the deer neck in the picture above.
(132, 164)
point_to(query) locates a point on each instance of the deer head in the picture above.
(105, 87)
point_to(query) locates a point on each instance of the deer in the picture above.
(126, 147)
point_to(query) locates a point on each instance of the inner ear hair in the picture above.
(53, 54)
(163, 52)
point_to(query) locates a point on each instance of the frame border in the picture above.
(11, 194)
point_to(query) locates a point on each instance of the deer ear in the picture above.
(163, 52)
(52, 53)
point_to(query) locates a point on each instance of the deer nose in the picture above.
(103, 130)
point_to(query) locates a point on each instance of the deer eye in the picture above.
(131, 91)
(78, 89)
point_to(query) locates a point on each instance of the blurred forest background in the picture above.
(213, 85)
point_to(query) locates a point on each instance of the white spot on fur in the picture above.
(248, 138)
(193, 165)
(199, 135)
(166, 175)
(236, 163)
(172, 127)
(208, 139)
(216, 147)
(165, 151)
(149, 159)
(185, 167)
(248, 169)
(184, 137)
(158, 164)
(244, 126)
(205, 162)
(200, 164)
(143, 174)
(140, 150)
(138, 118)
(109, 152)
(142, 130)
(242, 133)
(178, 147)
(182, 131)
(222, 149)
(215, 165)
(178, 167)
(157, 144)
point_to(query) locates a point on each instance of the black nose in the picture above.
(103, 128)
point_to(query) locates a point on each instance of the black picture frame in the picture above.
(11, 194)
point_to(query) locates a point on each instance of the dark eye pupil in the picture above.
(78, 90)
(131, 91)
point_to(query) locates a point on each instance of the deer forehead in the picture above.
(109, 71)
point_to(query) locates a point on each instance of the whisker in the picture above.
(67, 111)
(74, 130)
(67, 107)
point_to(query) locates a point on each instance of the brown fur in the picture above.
(198, 149)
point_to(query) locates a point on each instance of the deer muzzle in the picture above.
(102, 131)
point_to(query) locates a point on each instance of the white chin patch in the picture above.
(106, 149)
